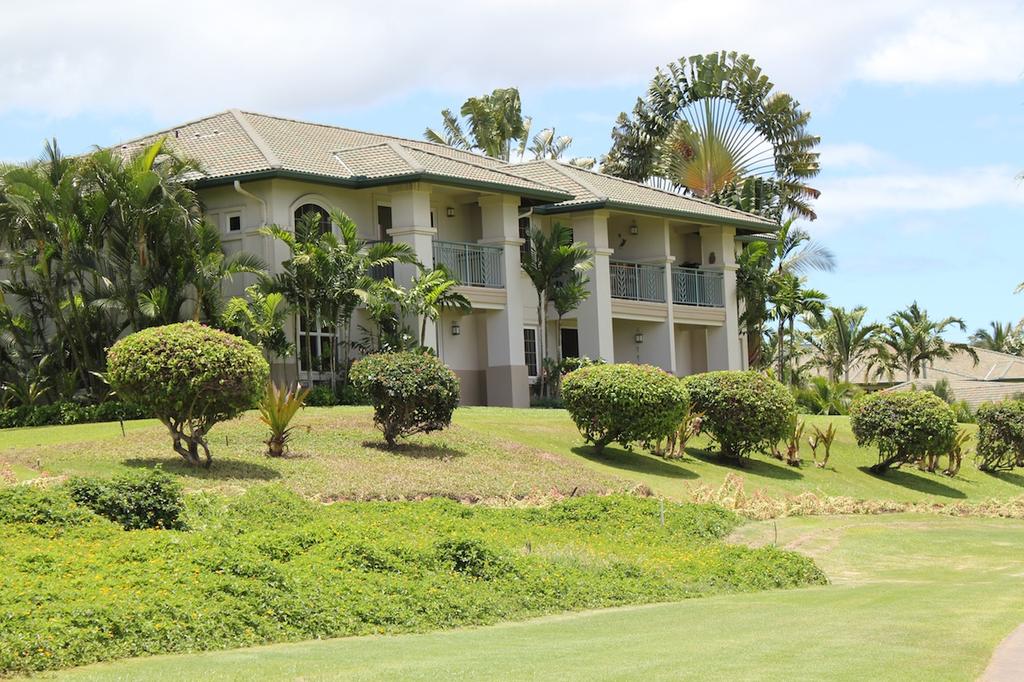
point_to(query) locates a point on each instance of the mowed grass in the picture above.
(845, 475)
(913, 597)
(490, 454)
(336, 454)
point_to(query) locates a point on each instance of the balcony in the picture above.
(474, 265)
(637, 281)
(704, 288)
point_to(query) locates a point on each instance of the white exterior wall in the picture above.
(488, 354)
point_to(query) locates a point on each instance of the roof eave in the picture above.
(752, 226)
(362, 182)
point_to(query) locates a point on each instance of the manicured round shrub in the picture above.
(189, 377)
(411, 392)
(1001, 435)
(904, 426)
(623, 403)
(741, 410)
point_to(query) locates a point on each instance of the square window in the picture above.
(235, 223)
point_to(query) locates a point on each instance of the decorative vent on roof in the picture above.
(203, 136)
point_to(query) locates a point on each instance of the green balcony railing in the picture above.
(637, 281)
(691, 286)
(474, 265)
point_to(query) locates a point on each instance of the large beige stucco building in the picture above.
(663, 285)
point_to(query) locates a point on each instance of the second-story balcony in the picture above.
(692, 286)
(475, 265)
(637, 281)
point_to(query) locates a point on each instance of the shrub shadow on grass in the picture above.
(922, 483)
(225, 468)
(748, 465)
(618, 458)
(1008, 477)
(414, 450)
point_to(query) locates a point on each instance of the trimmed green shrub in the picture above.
(411, 392)
(1001, 435)
(904, 426)
(189, 377)
(149, 500)
(743, 411)
(40, 506)
(623, 403)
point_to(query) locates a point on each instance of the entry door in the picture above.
(570, 343)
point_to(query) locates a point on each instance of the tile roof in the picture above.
(237, 144)
(992, 366)
(590, 188)
(234, 143)
(973, 391)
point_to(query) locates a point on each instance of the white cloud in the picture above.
(850, 155)
(894, 193)
(65, 57)
(970, 43)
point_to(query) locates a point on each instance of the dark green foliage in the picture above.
(623, 403)
(148, 500)
(269, 566)
(189, 377)
(40, 506)
(411, 392)
(1001, 435)
(904, 426)
(323, 396)
(66, 413)
(742, 410)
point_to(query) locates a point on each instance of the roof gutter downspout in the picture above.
(247, 193)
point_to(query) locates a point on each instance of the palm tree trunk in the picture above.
(792, 347)
(780, 348)
(309, 347)
(542, 319)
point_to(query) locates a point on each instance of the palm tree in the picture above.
(713, 125)
(822, 396)
(567, 297)
(213, 268)
(433, 292)
(790, 300)
(910, 341)
(259, 318)
(552, 258)
(841, 340)
(1000, 337)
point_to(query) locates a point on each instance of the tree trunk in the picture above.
(780, 349)
(542, 320)
(309, 346)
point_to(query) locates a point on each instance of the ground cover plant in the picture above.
(270, 566)
(624, 403)
(189, 377)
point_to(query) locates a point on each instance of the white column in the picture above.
(410, 220)
(507, 381)
(594, 316)
(669, 365)
(718, 251)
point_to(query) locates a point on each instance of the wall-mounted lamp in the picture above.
(638, 337)
(633, 229)
(450, 211)
(456, 329)
(711, 258)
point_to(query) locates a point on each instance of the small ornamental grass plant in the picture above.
(743, 411)
(411, 392)
(189, 377)
(277, 409)
(1001, 435)
(624, 403)
(905, 427)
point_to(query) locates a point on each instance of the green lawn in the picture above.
(913, 597)
(492, 454)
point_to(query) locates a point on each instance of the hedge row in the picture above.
(66, 413)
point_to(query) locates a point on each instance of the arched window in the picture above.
(307, 209)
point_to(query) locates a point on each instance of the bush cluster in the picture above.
(743, 411)
(905, 426)
(323, 396)
(268, 566)
(66, 412)
(149, 500)
(1001, 435)
(189, 377)
(623, 403)
(411, 392)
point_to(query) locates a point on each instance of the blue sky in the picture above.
(920, 105)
